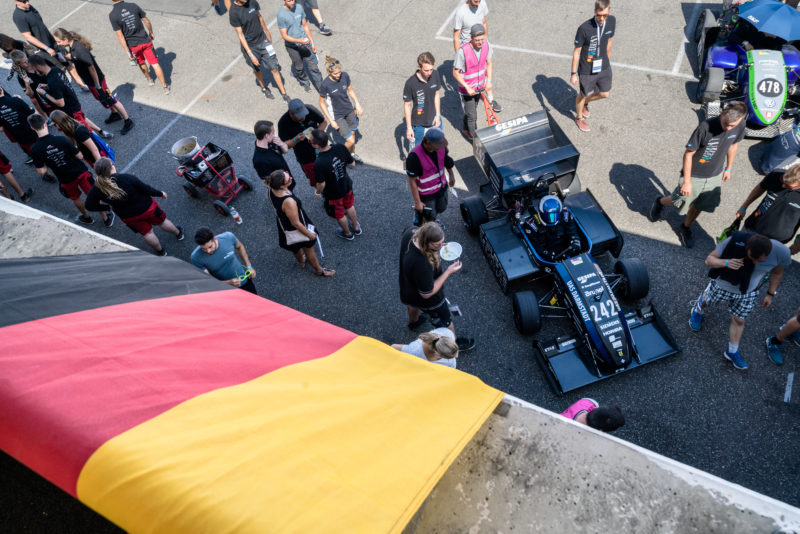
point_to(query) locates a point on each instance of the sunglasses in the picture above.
(333, 64)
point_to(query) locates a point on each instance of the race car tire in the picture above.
(526, 312)
(710, 85)
(222, 208)
(635, 280)
(474, 214)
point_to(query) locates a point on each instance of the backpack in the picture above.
(105, 149)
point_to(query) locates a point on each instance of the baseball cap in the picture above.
(298, 109)
(435, 137)
(477, 29)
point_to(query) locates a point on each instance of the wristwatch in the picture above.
(772, 294)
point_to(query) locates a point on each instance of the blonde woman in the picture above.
(132, 200)
(80, 136)
(344, 109)
(422, 280)
(437, 346)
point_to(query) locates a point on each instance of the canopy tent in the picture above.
(170, 402)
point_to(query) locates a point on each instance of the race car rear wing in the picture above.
(513, 154)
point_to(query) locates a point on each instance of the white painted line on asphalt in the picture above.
(68, 15)
(690, 29)
(788, 395)
(569, 56)
(446, 22)
(177, 117)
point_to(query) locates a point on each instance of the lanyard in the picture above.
(600, 30)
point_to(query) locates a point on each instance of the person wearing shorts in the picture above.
(128, 21)
(313, 5)
(14, 113)
(591, 60)
(6, 172)
(789, 331)
(292, 128)
(339, 104)
(256, 44)
(132, 200)
(79, 50)
(738, 266)
(335, 185)
(707, 162)
(66, 162)
(422, 280)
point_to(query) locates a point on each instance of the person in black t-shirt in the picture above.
(255, 42)
(66, 161)
(79, 50)
(344, 111)
(58, 93)
(422, 99)
(135, 35)
(80, 136)
(30, 24)
(268, 152)
(591, 60)
(14, 113)
(292, 128)
(333, 182)
(422, 279)
(778, 214)
(29, 79)
(132, 200)
(712, 143)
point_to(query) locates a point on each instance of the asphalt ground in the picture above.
(694, 407)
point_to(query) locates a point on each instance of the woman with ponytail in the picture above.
(80, 136)
(132, 200)
(437, 346)
(339, 104)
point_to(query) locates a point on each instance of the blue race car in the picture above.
(540, 232)
(739, 59)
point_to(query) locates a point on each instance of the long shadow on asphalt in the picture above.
(557, 93)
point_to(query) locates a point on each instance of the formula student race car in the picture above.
(747, 52)
(527, 159)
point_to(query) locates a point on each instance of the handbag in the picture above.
(295, 236)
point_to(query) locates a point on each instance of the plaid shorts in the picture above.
(740, 304)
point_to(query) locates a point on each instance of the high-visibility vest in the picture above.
(432, 179)
(474, 68)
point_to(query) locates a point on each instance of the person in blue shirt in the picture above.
(217, 255)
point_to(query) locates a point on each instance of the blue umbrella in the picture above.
(771, 16)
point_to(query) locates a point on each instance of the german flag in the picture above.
(170, 402)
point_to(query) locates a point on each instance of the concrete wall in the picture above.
(530, 470)
(27, 233)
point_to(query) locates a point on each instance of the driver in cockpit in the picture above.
(552, 230)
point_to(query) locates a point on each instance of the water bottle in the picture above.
(236, 216)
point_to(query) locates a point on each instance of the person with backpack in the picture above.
(738, 266)
(778, 214)
(90, 144)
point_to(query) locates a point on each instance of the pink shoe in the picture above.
(583, 405)
(582, 124)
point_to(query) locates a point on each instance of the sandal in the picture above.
(326, 272)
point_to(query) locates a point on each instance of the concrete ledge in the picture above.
(530, 470)
(26, 232)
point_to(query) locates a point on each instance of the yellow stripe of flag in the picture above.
(352, 442)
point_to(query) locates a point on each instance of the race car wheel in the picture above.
(526, 312)
(710, 85)
(474, 214)
(635, 283)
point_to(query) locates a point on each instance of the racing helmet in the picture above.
(549, 210)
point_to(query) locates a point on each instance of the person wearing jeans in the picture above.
(300, 46)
